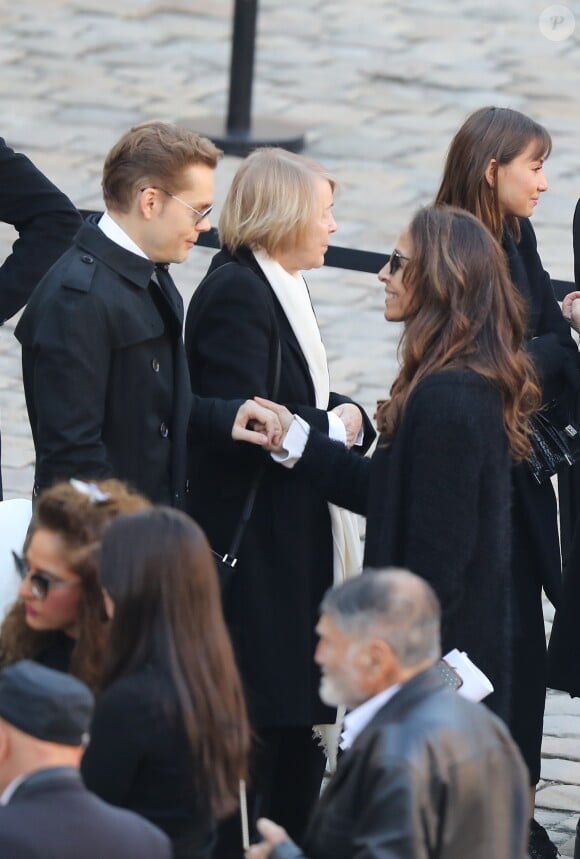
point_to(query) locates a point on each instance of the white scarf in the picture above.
(292, 293)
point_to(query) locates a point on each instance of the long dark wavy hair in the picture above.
(498, 133)
(79, 522)
(463, 312)
(158, 569)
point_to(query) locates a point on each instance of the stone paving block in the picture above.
(561, 726)
(559, 797)
(554, 819)
(561, 747)
(560, 703)
(560, 770)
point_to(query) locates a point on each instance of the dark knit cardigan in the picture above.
(437, 501)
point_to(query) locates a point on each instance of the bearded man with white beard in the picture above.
(424, 773)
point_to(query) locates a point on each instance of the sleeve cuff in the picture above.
(336, 428)
(294, 443)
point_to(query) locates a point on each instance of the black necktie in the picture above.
(169, 291)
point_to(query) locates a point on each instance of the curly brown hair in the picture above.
(464, 311)
(80, 523)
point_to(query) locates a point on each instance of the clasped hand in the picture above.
(571, 309)
(265, 423)
(262, 422)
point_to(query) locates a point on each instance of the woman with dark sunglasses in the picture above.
(59, 619)
(436, 492)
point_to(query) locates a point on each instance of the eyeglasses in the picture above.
(395, 262)
(199, 216)
(40, 583)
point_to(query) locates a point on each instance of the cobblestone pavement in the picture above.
(378, 87)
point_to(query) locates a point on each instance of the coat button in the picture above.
(155, 365)
(163, 430)
(88, 259)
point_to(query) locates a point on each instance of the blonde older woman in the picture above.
(251, 330)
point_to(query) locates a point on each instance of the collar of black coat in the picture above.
(46, 780)
(243, 256)
(93, 242)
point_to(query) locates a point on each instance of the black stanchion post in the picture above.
(241, 134)
(242, 67)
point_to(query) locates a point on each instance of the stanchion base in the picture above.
(263, 132)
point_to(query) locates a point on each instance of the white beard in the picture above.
(330, 692)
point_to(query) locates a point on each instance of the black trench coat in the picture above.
(105, 377)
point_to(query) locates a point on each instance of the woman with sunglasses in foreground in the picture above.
(436, 492)
(59, 619)
(170, 736)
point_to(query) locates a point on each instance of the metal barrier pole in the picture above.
(242, 67)
(241, 134)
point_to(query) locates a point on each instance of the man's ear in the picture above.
(491, 173)
(147, 201)
(376, 658)
(4, 742)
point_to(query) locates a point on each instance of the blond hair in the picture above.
(271, 200)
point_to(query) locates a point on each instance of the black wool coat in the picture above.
(105, 377)
(233, 327)
(564, 646)
(139, 758)
(536, 544)
(69, 822)
(437, 501)
(46, 222)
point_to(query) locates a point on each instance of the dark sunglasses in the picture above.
(40, 583)
(395, 262)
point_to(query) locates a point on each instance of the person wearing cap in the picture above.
(45, 809)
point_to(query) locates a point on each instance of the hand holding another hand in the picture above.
(257, 424)
(284, 417)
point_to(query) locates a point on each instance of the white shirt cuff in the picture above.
(336, 428)
(294, 443)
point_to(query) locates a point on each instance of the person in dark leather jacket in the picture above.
(425, 773)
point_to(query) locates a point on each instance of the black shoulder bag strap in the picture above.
(230, 559)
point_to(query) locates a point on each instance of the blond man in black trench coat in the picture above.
(106, 382)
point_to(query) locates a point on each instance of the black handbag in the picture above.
(553, 447)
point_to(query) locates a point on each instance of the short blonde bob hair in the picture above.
(271, 201)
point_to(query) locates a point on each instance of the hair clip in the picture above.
(90, 491)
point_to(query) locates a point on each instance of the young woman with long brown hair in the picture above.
(495, 169)
(436, 492)
(59, 619)
(170, 736)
